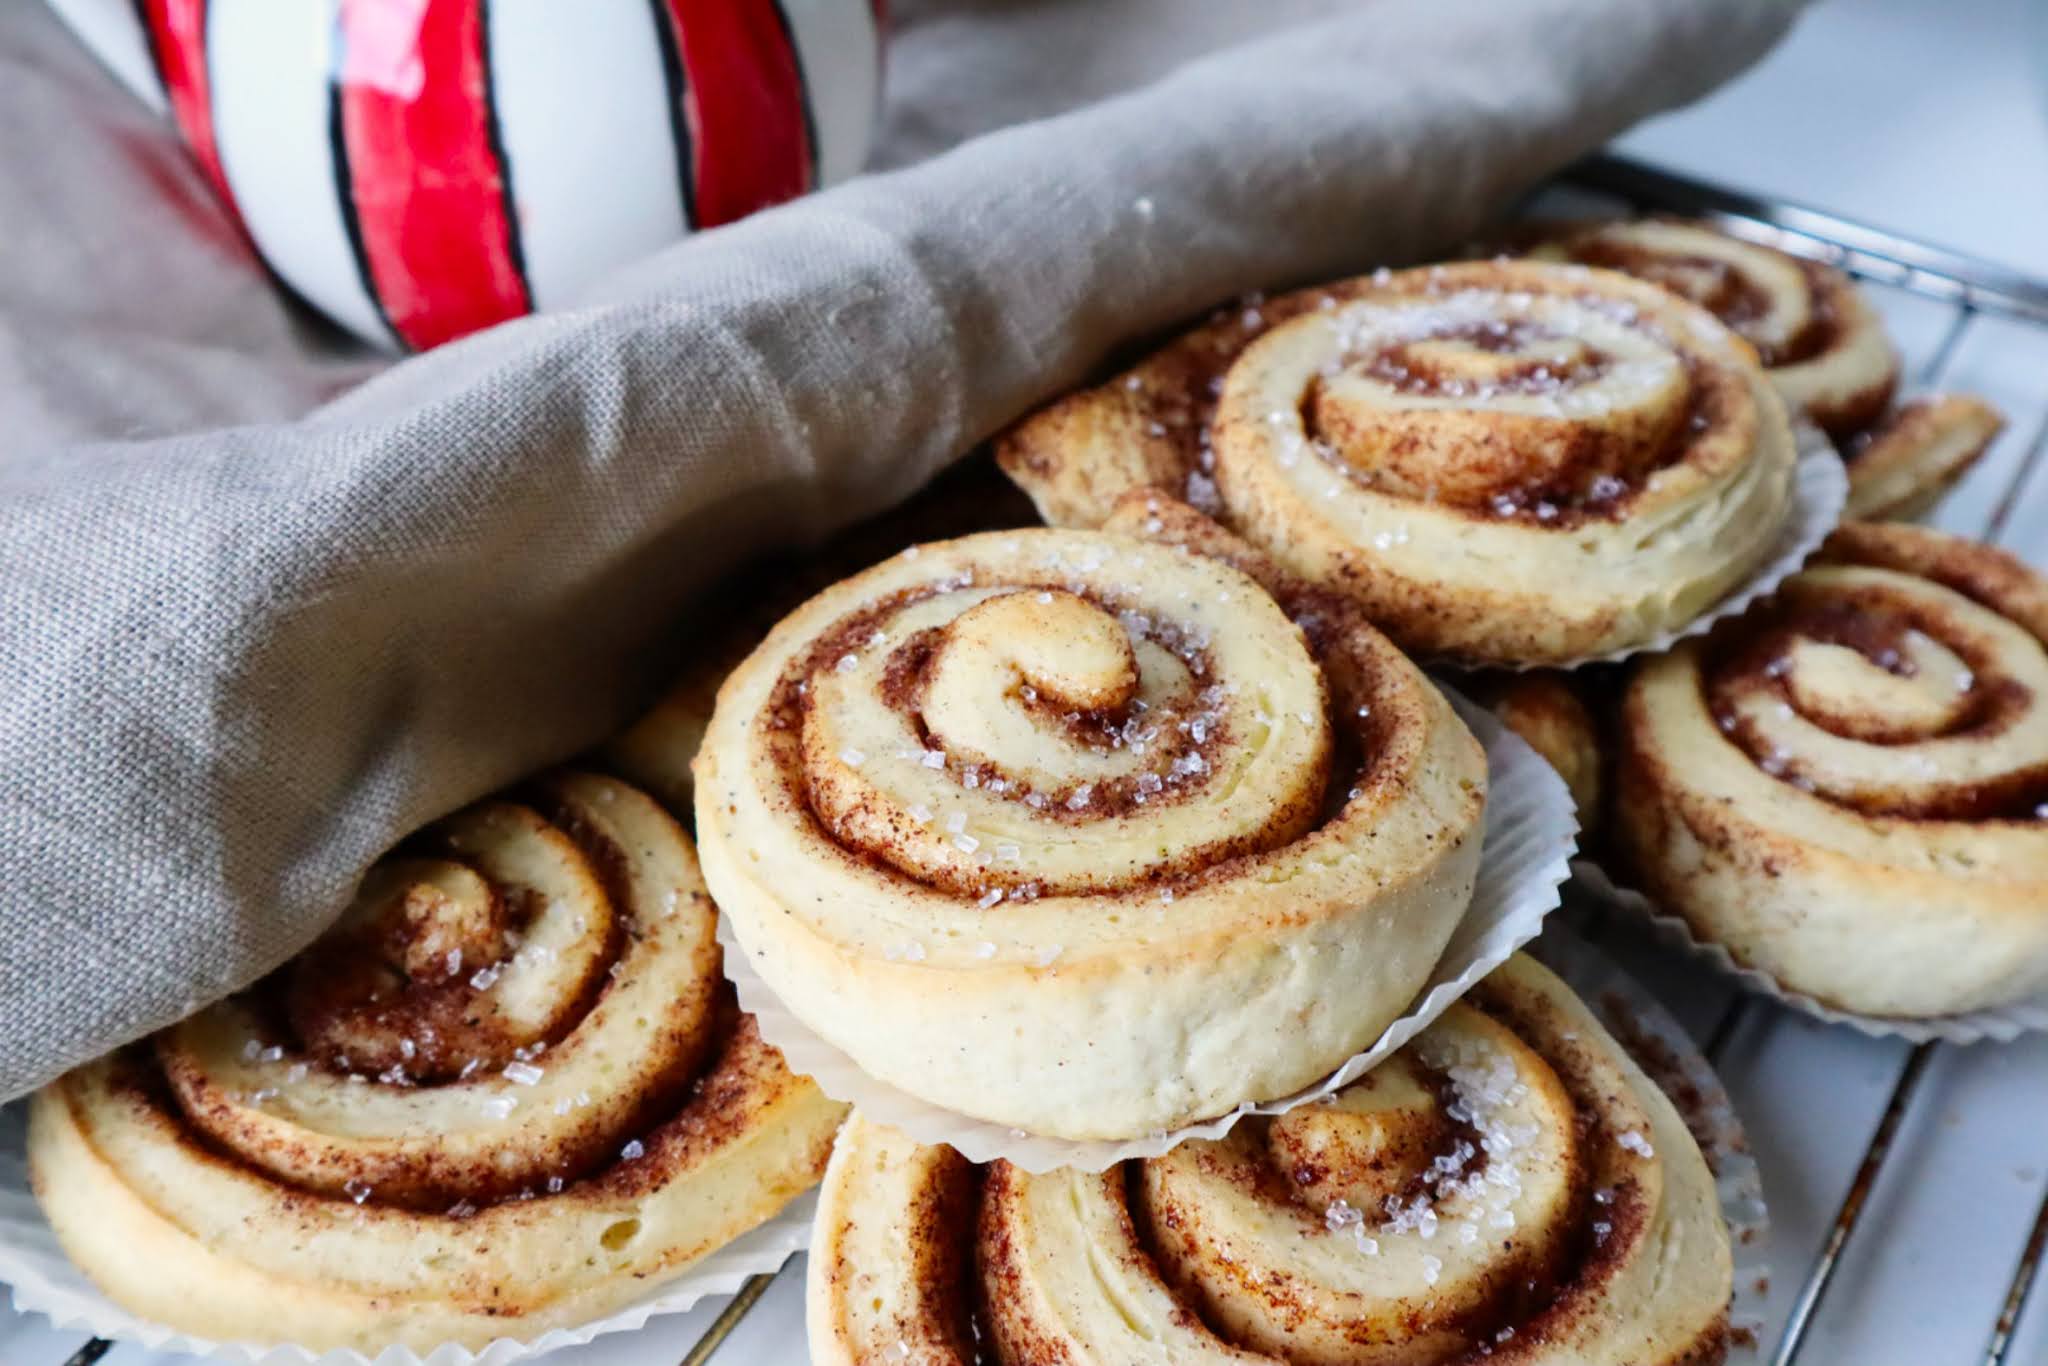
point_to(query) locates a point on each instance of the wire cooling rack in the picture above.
(1908, 1185)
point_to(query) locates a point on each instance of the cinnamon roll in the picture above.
(1901, 467)
(1501, 462)
(509, 1092)
(1508, 1187)
(1080, 833)
(655, 751)
(1821, 341)
(1848, 787)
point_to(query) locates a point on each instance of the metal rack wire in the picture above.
(1973, 288)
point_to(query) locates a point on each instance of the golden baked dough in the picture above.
(1547, 710)
(1900, 468)
(1848, 787)
(1821, 341)
(655, 751)
(1510, 1181)
(1502, 462)
(509, 1092)
(1078, 832)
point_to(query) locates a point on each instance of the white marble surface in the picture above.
(1928, 117)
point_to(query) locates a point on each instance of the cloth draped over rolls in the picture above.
(238, 664)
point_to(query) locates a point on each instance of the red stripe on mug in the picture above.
(176, 31)
(744, 99)
(428, 185)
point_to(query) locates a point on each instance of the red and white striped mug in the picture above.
(419, 169)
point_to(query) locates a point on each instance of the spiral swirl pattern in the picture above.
(1070, 831)
(654, 753)
(1821, 341)
(507, 1090)
(1509, 1185)
(1849, 787)
(1502, 462)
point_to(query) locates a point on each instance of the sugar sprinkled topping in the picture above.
(1485, 1091)
(633, 1151)
(523, 1073)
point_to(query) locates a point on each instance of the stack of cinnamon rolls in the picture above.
(1099, 830)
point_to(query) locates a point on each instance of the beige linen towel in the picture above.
(236, 661)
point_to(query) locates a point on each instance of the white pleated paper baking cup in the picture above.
(2003, 1023)
(1529, 838)
(1648, 1033)
(45, 1282)
(1820, 490)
